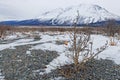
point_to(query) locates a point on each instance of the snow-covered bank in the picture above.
(48, 42)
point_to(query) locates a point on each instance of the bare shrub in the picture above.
(111, 27)
(81, 48)
(3, 30)
(111, 31)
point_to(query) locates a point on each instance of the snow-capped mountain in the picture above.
(88, 13)
(51, 14)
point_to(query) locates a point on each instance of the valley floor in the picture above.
(25, 57)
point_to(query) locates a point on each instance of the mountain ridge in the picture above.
(88, 14)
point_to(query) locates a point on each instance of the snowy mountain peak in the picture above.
(88, 13)
(51, 14)
(87, 6)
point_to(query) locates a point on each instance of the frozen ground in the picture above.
(48, 42)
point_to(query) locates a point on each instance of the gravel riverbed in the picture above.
(24, 63)
(102, 69)
(17, 64)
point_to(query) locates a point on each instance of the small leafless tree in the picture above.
(81, 47)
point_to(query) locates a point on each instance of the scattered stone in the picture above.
(94, 70)
(16, 64)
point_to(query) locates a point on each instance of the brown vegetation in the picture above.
(4, 29)
(80, 46)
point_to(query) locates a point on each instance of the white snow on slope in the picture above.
(51, 14)
(88, 13)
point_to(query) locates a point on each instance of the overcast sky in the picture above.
(26, 9)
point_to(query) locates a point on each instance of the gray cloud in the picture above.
(24, 9)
